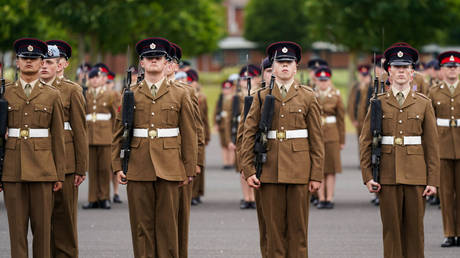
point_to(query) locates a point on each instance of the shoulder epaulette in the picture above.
(422, 95)
(308, 88)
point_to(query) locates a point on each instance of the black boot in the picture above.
(245, 205)
(116, 198)
(321, 205)
(91, 205)
(194, 202)
(105, 204)
(448, 242)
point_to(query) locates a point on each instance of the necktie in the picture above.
(283, 91)
(400, 98)
(28, 89)
(94, 93)
(452, 89)
(153, 89)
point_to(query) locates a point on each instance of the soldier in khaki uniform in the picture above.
(164, 130)
(35, 160)
(432, 71)
(445, 98)
(333, 126)
(409, 166)
(64, 231)
(101, 110)
(222, 120)
(312, 65)
(295, 135)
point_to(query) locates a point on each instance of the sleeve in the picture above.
(431, 146)
(365, 141)
(187, 127)
(116, 141)
(204, 118)
(79, 128)
(340, 119)
(351, 104)
(249, 136)
(57, 135)
(315, 139)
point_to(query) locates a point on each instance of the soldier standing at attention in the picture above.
(333, 126)
(35, 160)
(163, 154)
(64, 235)
(295, 155)
(101, 109)
(312, 65)
(445, 98)
(409, 166)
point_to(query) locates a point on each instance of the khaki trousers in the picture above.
(100, 167)
(153, 214)
(449, 193)
(64, 234)
(185, 198)
(262, 229)
(402, 208)
(198, 184)
(29, 201)
(285, 212)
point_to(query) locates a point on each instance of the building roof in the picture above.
(236, 43)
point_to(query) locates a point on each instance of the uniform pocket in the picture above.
(140, 116)
(297, 117)
(300, 145)
(42, 145)
(42, 115)
(387, 123)
(414, 121)
(170, 114)
(10, 144)
(13, 115)
(414, 149)
(170, 143)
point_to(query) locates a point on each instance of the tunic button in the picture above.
(26, 126)
(452, 117)
(300, 110)
(400, 132)
(452, 108)
(282, 128)
(25, 114)
(153, 113)
(400, 121)
(282, 115)
(153, 102)
(417, 116)
(400, 111)
(45, 109)
(94, 101)
(27, 102)
(451, 100)
(152, 125)
(284, 104)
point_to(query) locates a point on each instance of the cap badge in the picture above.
(50, 53)
(152, 46)
(400, 54)
(316, 64)
(323, 74)
(451, 58)
(30, 48)
(284, 50)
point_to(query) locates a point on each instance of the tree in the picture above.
(357, 24)
(268, 21)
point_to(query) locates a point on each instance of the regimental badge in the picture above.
(323, 74)
(284, 50)
(152, 46)
(316, 64)
(452, 58)
(400, 54)
(50, 53)
(30, 48)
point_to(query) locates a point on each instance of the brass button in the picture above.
(452, 108)
(452, 117)
(417, 116)
(94, 108)
(28, 102)
(153, 113)
(152, 125)
(152, 134)
(399, 141)
(400, 121)
(400, 132)
(400, 111)
(24, 134)
(153, 102)
(25, 113)
(284, 104)
(282, 127)
(94, 117)
(282, 115)
(451, 100)
(26, 126)
(44, 109)
(281, 135)
(300, 110)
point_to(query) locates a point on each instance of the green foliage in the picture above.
(269, 21)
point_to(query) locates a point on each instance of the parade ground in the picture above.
(220, 229)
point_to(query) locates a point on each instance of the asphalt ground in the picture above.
(220, 229)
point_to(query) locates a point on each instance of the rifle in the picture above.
(247, 99)
(83, 80)
(262, 84)
(3, 122)
(265, 123)
(376, 130)
(220, 102)
(236, 112)
(140, 74)
(127, 120)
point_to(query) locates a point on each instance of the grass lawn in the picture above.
(211, 86)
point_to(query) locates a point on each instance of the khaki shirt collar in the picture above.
(405, 91)
(158, 84)
(455, 84)
(287, 85)
(23, 83)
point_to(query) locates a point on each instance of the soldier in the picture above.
(253, 72)
(312, 65)
(432, 71)
(64, 230)
(295, 135)
(101, 109)
(333, 126)
(221, 116)
(35, 131)
(409, 166)
(445, 98)
(164, 130)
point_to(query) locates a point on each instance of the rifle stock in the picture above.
(3, 122)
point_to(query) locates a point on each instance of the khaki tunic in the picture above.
(351, 103)
(333, 133)
(419, 84)
(447, 106)
(100, 131)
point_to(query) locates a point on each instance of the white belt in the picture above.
(329, 120)
(67, 126)
(448, 122)
(98, 117)
(406, 140)
(155, 133)
(27, 133)
(288, 134)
